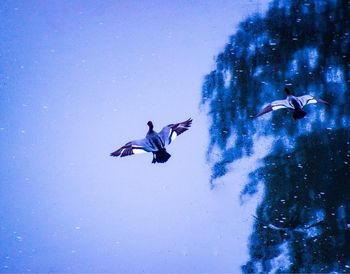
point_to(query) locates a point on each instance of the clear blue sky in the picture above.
(78, 79)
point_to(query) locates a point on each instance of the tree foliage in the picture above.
(302, 43)
(303, 221)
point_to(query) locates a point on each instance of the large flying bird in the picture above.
(154, 142)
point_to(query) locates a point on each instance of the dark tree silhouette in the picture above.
(304, 218)
(306, 206)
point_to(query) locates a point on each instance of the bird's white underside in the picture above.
(312, 101)
(277, 107)
(173, 136)
(138, 151)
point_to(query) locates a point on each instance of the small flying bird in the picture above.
(293, 225)
(292, 102)
(154, 142)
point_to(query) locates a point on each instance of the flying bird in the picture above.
(154, 142)
(292, 102)
(292, 225)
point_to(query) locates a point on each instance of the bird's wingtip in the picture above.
(324, 102)
(189, 121)
(114, 154)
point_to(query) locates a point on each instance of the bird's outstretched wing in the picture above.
(278, 104)
(133, 147)
(170, 132)
(308, 99)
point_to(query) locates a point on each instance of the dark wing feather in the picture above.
(323, 102)
(125, 150)
(264, 110)
(133, 147)
(170, 132)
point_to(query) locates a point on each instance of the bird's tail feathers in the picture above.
(160, 156)
(298, 114)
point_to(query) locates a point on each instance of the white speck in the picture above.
(45, 107)
(77, 227)
(74, 251)
(23, 131)
(347, 266)
(52, 50)
(22, 67)
(300, 166)
(115, 109)
(19, 238)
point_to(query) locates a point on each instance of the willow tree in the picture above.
(303, 222)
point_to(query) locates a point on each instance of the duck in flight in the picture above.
(292, 102)
(154, 142)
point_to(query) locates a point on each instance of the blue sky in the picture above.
(78, 79)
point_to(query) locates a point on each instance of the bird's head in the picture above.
(150, 125)
(287, 91)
